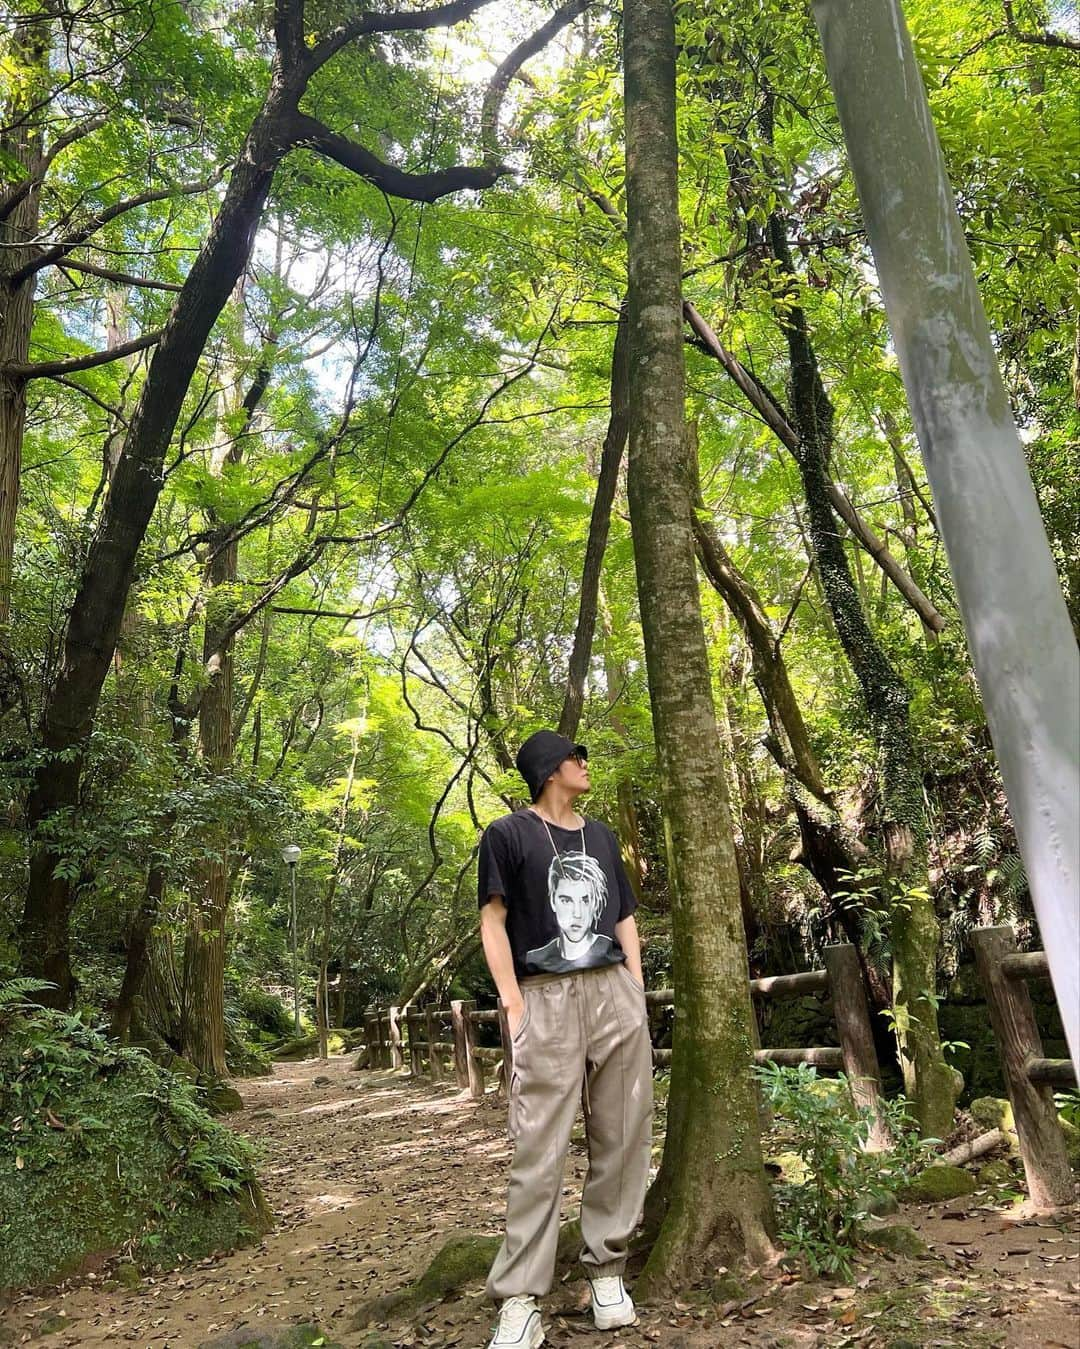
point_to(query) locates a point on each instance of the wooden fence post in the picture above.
(1042, 1143)
(435, 1068)
(503, 1086)
(384, 1038)
(371, 1037)
(458, 1010)
(477, 1084)
(415, 1052)
(856, 1039)
(394, 1018)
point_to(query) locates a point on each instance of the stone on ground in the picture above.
(937, 1183)
(278, 1337)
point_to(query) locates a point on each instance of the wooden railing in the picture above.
(1029, 1076)
(432, 1031)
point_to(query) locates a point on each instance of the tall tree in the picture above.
(713, 1191)
(278, 127)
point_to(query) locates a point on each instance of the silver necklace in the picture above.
(551, 839)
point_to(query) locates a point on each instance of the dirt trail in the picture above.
(369, 1172)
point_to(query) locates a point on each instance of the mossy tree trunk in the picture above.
(928, 1079)
(713, 1193)
(22, 142)
(204, 954)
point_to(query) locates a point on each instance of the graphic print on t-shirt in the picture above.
(578, 894)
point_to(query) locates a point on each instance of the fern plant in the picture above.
(15, 992)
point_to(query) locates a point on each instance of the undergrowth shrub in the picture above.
(101, 1150)
(818, 1121)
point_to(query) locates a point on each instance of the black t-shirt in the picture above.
(561, 906)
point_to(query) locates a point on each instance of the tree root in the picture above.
(459, 1261)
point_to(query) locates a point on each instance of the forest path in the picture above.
(369, 1172)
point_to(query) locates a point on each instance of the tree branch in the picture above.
(307, 132)
(364, 24)
(1044, 39)
(121, 278)
(68, 364)
(777, 421)
(47, 256)
(18, 191)
(500, 81)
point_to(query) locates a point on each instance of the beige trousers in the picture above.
(587, 1028)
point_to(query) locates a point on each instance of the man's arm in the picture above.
(500, 959)
(627, 933)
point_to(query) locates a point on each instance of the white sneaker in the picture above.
(612, 1305)
(519, 1325)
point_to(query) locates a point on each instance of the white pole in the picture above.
(295, 963)
(1018, 630)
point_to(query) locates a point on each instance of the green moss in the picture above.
(937, 1183)
(458, 1261)
(223, 1099)
(100, 1148)
(995, 1174)
(897, 1239)
(992, 1112)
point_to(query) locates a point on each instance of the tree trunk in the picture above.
(630, 844)
(98, 607)
(599, 524)
(1018, 630)
(715, 1193)
(204, 953)
(928, 1080)
(322, 1000)
(22, 144)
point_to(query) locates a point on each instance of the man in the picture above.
(559, 935)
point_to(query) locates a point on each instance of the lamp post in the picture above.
(290, 855)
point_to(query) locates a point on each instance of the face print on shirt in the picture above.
(578, 895)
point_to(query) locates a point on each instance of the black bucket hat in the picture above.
(541, 755)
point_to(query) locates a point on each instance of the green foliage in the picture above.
(1068, 1106)
(817, 1120)
(100, 1148)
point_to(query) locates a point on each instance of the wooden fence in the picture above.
(1030, 1077)
(432, 1032)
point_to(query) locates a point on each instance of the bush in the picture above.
(264, 1011)
(100, 1149)
(818, 1121)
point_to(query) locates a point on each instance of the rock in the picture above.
(223, 1099)
(992, 1112)
(322, 1081)
(937, 1183)
(127, 1275)
(897, 1238)
(274, 1337)
(727, 1288)
(995, 1173)
(458, 1261)
(879, 1205)
(176, 1063)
